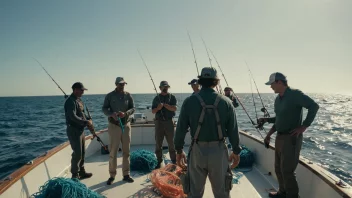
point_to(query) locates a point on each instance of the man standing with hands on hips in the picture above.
(119, 106)
(289, 126)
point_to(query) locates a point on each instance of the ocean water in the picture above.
(30, 126)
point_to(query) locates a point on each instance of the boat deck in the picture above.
(251, 184)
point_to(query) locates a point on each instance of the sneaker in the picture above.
(128, 179)
(110, 180)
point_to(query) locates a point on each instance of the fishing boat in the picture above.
(313, 180)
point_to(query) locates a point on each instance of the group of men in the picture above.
(210, 118)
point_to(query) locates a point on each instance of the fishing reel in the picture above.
(266, 115)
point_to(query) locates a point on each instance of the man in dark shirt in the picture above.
(288, 123)
(211, 118)
(229, 93)
(164, 107)
(195, 86)
(76, 122)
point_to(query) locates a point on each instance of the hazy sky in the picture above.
(95, 41)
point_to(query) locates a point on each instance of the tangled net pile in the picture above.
(167, 181)
(143, 161)
(246, 158)
(65, 188)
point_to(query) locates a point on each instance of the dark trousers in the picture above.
(287, 151)
(164, 129)
(77, 140)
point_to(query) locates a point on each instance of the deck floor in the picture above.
(251, 184)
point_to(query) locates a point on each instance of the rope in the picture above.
(122, 127)
(143, 161)
(65, 188)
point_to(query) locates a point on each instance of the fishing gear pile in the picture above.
(143, 161)
(65, 188)
(167, 181)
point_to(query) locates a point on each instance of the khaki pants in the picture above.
(209, 159)
(164, 129)
(116, 136)
(287, 151)
(77, 141)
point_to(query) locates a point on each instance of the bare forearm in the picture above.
(154, 111)
(272, 130)
(171, 108)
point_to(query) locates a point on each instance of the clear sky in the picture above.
(95, 41)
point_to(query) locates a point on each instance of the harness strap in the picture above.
(201, 118)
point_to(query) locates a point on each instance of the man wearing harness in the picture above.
(211, 117)
(164, 107)
(119, 106)
(288, 123)
(76, 122)
(229, 93)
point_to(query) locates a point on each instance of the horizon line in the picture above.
(14, 96)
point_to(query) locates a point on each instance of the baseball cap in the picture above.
(193, 82)
(276, 76)
(120, 80)
(164, 84)
(209, 72)
(78, 85)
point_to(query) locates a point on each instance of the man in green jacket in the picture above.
(288, 106)
(211, 118)
(76, 121)
(119, 106)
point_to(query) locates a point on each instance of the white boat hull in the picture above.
(313, 180)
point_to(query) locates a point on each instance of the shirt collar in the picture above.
(207, 90)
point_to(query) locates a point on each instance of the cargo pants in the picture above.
(209, 159)
(76, 138)
(164, 129)
(287, 151)
(115, 137)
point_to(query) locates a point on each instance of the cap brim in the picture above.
(269, 83)
(164, 85)
(84, 89)
(122, 82)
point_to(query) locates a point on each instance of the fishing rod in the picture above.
(51, 77)
(89, 116)
(194, 55)
(140, 55)
(93, 132)
(236, 95)
(263, 109)
(216, 60)
(206, 48)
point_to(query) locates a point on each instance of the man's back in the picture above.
(191, 111)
